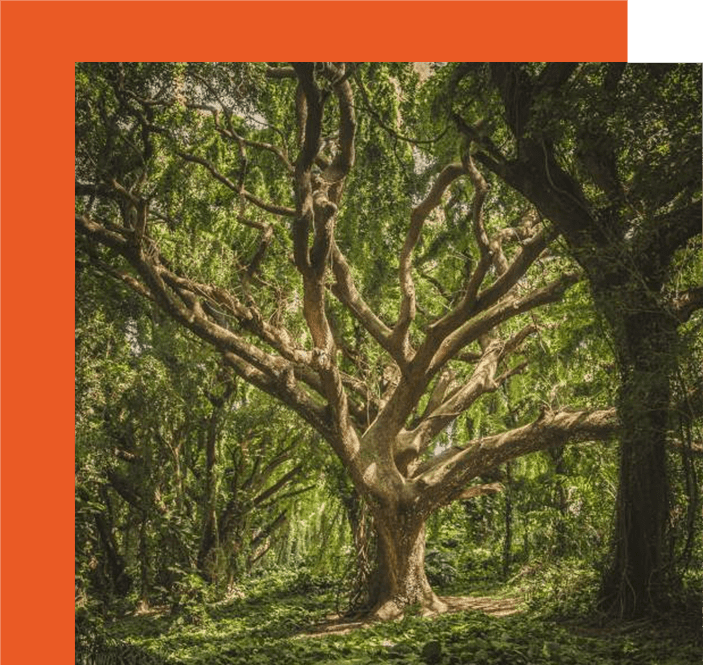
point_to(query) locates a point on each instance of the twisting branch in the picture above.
(346, 292)
(483, 380)
(438, 330)
(268, 207)
(417, 219)
(335, 173)
(271, 373)
(317, 212)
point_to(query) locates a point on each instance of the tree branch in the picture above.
(478, 490)
(500, 312)
(483, 380)
(442, 475)
(418, 216)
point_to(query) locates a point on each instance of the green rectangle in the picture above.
(665, 31)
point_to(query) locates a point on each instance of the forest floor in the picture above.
(338, 624)
(284, 624)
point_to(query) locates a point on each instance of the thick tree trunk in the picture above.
(638, 580)
(399, 580)
(363, 542)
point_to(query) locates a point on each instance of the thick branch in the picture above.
(447, 472)
(344, 160)
(346, 292)
(278, 485)
(273, 374)
(479, 490)
(314, 210)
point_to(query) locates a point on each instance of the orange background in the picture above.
(40, 43)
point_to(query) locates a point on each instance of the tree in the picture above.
(181, 474)
(611, 155)
(244, 201)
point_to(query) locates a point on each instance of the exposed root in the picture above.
(390, 611)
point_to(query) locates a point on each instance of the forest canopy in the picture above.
(333, 311)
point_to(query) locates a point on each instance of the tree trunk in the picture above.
(399, 579)
(561, 502)
(363, 542)
(119, 579)
(637, 582)
(508, 539)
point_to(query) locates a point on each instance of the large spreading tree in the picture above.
(305, 223)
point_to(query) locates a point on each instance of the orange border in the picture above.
(40, 42)
(383, 30)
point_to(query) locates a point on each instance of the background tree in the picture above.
(181, 474)
(611, 155)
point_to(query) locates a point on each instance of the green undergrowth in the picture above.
(271, 623)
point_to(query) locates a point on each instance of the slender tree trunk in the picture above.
(508, 540)
(637, 582)
(560, 500)
(120, 579)
(143, 562)
(399, 579)
(209, 541)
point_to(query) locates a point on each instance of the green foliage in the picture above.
(175, 458)
(272, 628)
(440, 567)
(149, 403)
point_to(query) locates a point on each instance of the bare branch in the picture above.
(346, 292)
(280, 72)
(344, 160)
(269, 207)
(278, 485)
(483, 380)
(230, 133)
(271, 373)
(471, 304)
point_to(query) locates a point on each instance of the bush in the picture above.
(440, 567)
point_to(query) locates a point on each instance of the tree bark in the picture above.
(119, 578)
(637, 582)
(399, 579)
(627, 261)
